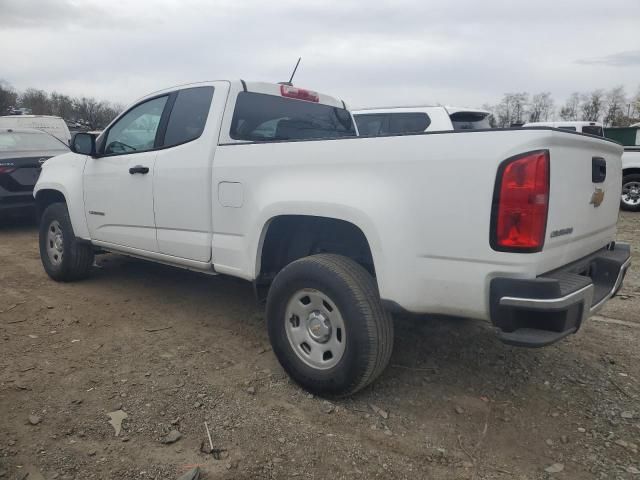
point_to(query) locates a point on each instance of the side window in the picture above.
(372, 124)
(136, 130)
(408, 122)
(188, 116)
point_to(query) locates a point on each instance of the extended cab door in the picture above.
(183, 171)
(118, 184)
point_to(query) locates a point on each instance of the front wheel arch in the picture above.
(46, 197)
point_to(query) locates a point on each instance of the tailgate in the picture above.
(584, 197)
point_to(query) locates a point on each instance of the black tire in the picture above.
(75, 258)
(368, 326)
(627, 179)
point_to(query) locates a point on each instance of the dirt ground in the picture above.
(174, 349)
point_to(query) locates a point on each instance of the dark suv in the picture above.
(22, 153)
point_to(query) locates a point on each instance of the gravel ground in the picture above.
(174, 349)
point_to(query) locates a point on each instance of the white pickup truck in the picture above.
(270, 183)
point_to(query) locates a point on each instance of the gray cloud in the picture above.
(368, 53)
(620, 59)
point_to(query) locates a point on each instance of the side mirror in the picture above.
(84, 144)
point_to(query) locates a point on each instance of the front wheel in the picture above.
(327, 325)
(63, 257)
(630, 198)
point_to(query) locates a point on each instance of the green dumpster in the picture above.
(627, 136)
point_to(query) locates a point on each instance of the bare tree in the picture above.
(616, 107)
(511, 109)
(8, 97)
(541, 107)
(571, 109)
(95, 114)
(88, 110)
(491, 117)
(35, 100)
(106, 113)
(634, 108)
(592, 106)
(61, 106)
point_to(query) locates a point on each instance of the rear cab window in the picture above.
(470, 120)
(260, 117)
(373, 124)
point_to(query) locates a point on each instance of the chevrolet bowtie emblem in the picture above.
(597, 197)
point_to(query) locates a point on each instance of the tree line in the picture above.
(613, 108)
(87, 112)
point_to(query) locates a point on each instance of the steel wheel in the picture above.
(631, 194)
(315, 329)
(55, 243)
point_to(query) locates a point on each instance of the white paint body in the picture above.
(55, 126)
(631, 158)
(422, 201)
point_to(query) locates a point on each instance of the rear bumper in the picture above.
(540, 311)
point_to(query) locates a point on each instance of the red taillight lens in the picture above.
(299, 93)
(6, 170)
(521, 203)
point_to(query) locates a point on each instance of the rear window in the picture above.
(470, 120)
(392, 123)
(261, 118)
(21, 141)
(188, 116)
(593, 130)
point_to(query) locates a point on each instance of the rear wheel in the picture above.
(327, 325)
(630, 198)
(63, 257)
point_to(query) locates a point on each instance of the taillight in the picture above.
(299, 93)
(521, 203)
(6, 170)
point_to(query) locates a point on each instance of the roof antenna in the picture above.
(290, 82)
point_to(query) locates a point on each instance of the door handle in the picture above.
(139, 169)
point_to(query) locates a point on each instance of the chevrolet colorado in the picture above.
(270, 183)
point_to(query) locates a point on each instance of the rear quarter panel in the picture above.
(423, 202)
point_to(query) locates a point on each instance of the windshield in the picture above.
(470, 120)
(259, 117)
(23, 141)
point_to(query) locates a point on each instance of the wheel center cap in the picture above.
(319, 327)
(58, 243)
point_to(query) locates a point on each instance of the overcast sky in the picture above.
(463, 52)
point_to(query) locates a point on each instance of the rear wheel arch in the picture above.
(286, 238)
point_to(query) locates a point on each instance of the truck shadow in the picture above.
(429, 350)
(16, 223)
